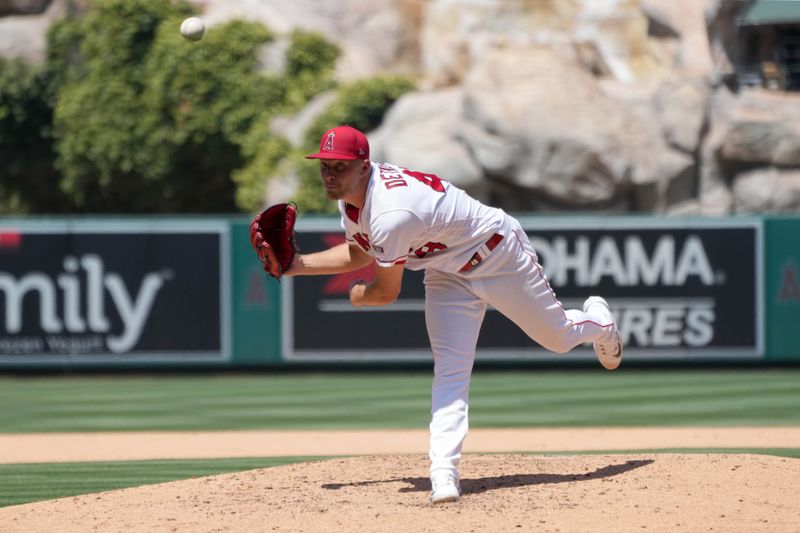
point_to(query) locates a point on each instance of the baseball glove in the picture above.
(272, 237)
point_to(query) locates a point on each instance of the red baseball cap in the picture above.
(342, 142)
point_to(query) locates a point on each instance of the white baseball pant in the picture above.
(511, 280)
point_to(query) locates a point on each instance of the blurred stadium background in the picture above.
(651, 149)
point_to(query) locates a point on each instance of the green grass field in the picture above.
(397, 400)
(37, 482)
(360, 400)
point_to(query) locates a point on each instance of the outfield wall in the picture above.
(149, 292)
(782, 288)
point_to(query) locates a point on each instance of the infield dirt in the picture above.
(646, 492)
(508, 492)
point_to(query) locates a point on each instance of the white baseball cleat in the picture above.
(609, 353)
(444, 487)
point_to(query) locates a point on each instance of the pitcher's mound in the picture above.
(500, 493)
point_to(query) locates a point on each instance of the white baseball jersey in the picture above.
(418, 220)
(421, 221)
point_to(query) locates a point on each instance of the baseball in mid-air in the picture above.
(193, 29)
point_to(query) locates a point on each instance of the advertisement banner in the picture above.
(113, 292)
(679, 290)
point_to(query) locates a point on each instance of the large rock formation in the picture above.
(612, 105)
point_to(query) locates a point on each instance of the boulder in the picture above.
(23, 34)
(422, 132)
(681, 104)
(723, 36)
(688, 21)
(714, 195)
(764, 129)
(715, 202)
(767, 190)
(611, 37)
(493, 153)
(565, 138)
(663, 173)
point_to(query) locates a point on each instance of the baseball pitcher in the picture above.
(473, 256)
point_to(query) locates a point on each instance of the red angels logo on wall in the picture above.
(10, 239)
(329, 142)
(790, 287)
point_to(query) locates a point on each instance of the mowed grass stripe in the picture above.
(100, 403)
(710, 398)
(26, 483)
(397, 400)
(640, 384)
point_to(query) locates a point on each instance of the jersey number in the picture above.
(431, 180)
(395, 179)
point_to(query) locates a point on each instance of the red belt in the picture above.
(476, 258)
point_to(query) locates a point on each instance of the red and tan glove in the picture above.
(272, 236)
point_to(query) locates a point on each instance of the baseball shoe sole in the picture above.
(444, 488)
(609, 353)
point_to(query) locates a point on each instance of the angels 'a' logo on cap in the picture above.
(342, 142)
(329, 142)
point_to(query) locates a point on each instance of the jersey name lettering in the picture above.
(391, 178)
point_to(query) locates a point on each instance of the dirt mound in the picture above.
(500, 493)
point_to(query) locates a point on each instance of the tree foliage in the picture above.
(153, 122)
(310, 61)
(27, 178)
(126, 116)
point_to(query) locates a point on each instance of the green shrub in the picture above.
(268, 155)
(310, 63)
(153, 123)
(28, 182)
